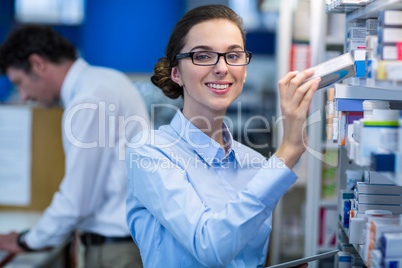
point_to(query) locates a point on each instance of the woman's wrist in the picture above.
(289, 154)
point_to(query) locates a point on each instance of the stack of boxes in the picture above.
(370, 131)
(378, 229)
(389, 34)
(389, 45)
(372, 220)
(345, 5)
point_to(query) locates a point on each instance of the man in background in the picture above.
(91, 199)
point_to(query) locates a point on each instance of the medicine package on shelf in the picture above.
(333, 70)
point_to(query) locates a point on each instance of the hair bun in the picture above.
(161, 78)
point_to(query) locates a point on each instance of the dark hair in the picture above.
(30, 39)
(162, 70)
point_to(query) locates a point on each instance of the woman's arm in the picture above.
(213, 238)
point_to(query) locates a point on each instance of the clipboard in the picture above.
(324, 255)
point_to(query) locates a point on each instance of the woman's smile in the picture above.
(219, 87)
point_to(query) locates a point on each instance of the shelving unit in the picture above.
(362, 89)
(319, 42)
(373, 9)
(383, 92)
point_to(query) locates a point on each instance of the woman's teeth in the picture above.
(217, 86)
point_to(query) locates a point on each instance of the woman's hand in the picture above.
(295, 100)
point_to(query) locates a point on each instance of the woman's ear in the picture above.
(175, 75)
(245, 75)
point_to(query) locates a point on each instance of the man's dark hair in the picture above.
(30, 39)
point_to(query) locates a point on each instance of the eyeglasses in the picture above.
(208, 58)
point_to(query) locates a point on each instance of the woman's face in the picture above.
(210, 89)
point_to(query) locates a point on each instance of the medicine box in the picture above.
(390, 18)
(378, 199)
(360, 62)
(367, 188)
(355, 44)
(356, 33)
(333, 70)
(372, 25)
(392, 244)
(389, 35)
(388, 52)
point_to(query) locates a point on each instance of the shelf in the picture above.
(343, 91)
(342, 8)
(372, 10)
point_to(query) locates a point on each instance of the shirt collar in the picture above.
(73, 74)
(204, 146)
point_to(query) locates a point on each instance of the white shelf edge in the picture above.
(343, 91)
(373, 9)
(330, 203)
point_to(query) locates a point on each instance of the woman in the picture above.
(196, 197)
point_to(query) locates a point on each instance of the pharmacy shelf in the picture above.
(343, 91)
(372, 10)
(341, 7)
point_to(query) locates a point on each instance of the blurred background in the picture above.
(132, 35)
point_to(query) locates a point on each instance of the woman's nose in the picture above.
(221, 67)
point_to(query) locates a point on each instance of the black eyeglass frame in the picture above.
(191, 54)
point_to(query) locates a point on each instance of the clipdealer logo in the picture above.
(107, 127)
(118, 131)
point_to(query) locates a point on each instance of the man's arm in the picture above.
(82, 187)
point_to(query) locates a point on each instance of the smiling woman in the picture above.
(196, 197)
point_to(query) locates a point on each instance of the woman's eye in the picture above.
(232, 56)
(201, 56)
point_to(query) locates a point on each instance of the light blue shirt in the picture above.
(190, 205)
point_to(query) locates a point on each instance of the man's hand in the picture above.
(8, 242)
